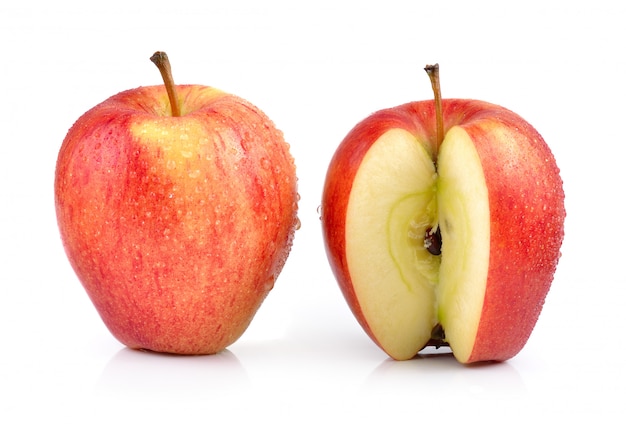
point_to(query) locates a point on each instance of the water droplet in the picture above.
(194, 174)
(298, 224)
(269, 284)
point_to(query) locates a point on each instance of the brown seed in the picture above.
(432, 241)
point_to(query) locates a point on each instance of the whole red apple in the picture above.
(177, 207)
(443, 223)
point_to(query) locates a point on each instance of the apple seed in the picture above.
(432, 241)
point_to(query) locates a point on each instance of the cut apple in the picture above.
(397, 281)
(444, 226)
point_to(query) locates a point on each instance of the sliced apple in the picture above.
(443, 224)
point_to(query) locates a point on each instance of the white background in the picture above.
(316, 69)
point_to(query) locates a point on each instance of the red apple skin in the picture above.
(176, 247)
(526, 202)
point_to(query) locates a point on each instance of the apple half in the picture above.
(452, 241)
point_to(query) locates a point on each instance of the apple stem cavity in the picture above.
(433, 74)
(162, 62)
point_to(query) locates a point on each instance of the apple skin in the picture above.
(177, 227)
(526, 206)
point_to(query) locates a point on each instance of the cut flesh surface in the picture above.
(465, 234)
(391, 205)
(403, 290)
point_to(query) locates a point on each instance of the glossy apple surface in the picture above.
(493, 190)
(177, 227)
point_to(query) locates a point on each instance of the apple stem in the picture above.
(433, 74)
(162, 62)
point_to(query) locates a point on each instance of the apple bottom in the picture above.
(202, 321)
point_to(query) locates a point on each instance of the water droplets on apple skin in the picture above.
(266, 164)
(298, 223)
(194, 173)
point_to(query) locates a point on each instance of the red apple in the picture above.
(177, 213)
(443, 222)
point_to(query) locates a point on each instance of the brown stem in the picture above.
(163, 63)
(433, 74)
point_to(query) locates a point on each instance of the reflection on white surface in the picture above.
(444, 374)
(140, 373)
